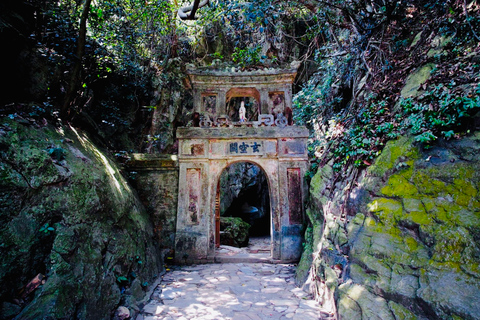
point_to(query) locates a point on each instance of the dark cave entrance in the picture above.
(244, 194)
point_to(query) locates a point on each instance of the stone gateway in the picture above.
(182, 191)
(279, 152)
(268, 141)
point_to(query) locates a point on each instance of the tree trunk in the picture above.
(66, 111)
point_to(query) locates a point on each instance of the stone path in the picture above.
(258, 250)
(237, 291)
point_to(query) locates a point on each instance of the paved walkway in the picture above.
(237, 291)
(258, 250)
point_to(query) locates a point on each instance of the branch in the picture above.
(75, 76)
(183, 12)
(468, 21)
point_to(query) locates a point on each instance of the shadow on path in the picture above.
(230, 291)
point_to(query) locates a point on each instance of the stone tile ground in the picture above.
(234, 291)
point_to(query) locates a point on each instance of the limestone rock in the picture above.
(75, 220)
(415, 80)
(122, 313)
(410, 247)
(9, 310)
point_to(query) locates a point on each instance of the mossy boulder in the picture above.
(234, 232)
(66, 212)
(411, 240)
(415, 80)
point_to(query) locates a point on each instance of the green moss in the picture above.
(400, 312)
(359, 275)
(411, 243)
(453, 245)
(441, 214)
(416, 79)
(465, 187)
(391, 153)
(413, 205)
(462, 200)
(448, 265)
(420, 217)
(399, 186)
(387, 206)
(322, 175)
(388, 211)
(452, 172)
(427, 184)
(91, 218)
(416, 210)
(303, 266)
(428, 203)
(318, 184)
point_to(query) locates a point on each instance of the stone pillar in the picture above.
(193, 221)
(291, 179)
(264, 101)
(288, 96)
(197, 101)
(222, 102)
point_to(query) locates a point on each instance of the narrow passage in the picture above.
(234, 291)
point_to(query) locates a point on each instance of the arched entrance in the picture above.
(244, 117)
(203, 155)
(243, 195)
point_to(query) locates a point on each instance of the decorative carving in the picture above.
(193, 200)
(222, 121)
(263, 119)
(205, 122)
(266, 119)
(209, 104)
(197, 149)
(281, 121)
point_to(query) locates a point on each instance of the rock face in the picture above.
(67, 213)
(236, 179)
(403, 242)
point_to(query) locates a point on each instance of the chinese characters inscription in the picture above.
(245, 148)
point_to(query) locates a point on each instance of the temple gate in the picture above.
(240, 117)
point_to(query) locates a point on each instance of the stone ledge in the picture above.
(152, 162)
(242, 132)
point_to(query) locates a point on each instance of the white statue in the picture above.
(241, 112)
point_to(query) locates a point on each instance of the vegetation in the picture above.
(354, 103)
(371, 71)
(97, 64)
(117, 67)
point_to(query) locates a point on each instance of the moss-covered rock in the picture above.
(416, 79)
(67, 212)
(412, 241)
(234, 232)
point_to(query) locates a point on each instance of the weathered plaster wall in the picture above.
(408, 247)
(155, 178)
(220, 83)
(205, 152)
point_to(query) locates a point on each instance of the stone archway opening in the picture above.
(244, 196)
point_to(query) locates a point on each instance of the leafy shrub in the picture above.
(247, 57)
(439, 111)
